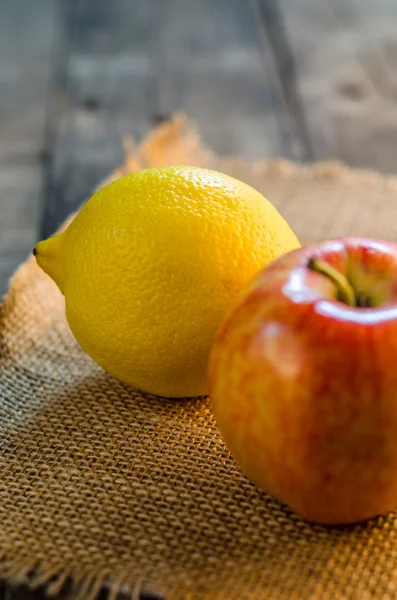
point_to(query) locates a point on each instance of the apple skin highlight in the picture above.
(304, 387)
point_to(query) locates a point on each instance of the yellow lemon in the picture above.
(152, 263)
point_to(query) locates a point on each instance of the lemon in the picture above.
(150, 266)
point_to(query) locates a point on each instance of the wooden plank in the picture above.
(216, 64)
(344, 54)
(273, 25)
(104, 93)
(130, 62)
(27, 37)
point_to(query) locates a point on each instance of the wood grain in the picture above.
(216, 64)
(27, 37)
(273, 24)
(344, 54)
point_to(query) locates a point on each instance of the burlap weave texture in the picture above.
(100, 483)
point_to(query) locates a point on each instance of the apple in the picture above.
(303, 380)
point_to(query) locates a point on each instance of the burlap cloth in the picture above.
(101, 484)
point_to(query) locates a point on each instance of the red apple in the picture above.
(303, 380)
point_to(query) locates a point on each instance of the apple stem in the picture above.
(346, 291)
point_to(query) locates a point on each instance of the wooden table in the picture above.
(304, 79)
